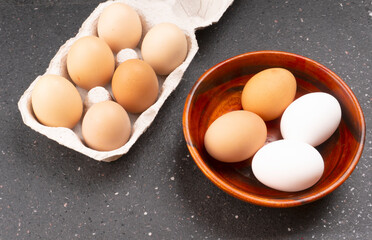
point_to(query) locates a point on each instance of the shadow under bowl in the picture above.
(218, 91)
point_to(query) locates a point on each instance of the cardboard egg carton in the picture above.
(188, 15)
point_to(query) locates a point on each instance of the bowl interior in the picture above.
(218, 91)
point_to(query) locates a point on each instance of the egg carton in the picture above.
(188, 15)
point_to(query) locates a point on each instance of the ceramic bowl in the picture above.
(218, 91)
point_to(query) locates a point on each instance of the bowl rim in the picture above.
(236, 192)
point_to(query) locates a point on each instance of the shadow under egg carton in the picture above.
(187, 15)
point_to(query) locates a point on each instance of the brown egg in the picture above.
(106, 126)
(56, 102)
(120, 26)
(164, 47)
(135, 85)
(90, 62)
(269, 92)
(235, 136)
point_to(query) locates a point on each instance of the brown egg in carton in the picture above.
(188, 15)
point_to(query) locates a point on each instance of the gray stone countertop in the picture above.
(156, 191)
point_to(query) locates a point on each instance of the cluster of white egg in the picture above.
(293, 163)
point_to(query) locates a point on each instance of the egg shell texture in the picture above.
(164, 47)
(269, 92)
(288, 165)
(106, 126)
(90, 62)
(312, 118)
(135, 85)
(56, 102)
(120, 26)
(235, 136)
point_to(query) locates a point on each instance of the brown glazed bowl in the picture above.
(218, 91)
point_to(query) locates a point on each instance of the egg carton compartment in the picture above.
(188, 15)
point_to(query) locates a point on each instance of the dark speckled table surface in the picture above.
(156, 191)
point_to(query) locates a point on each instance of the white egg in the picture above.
(312, 118)
(288, 165)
